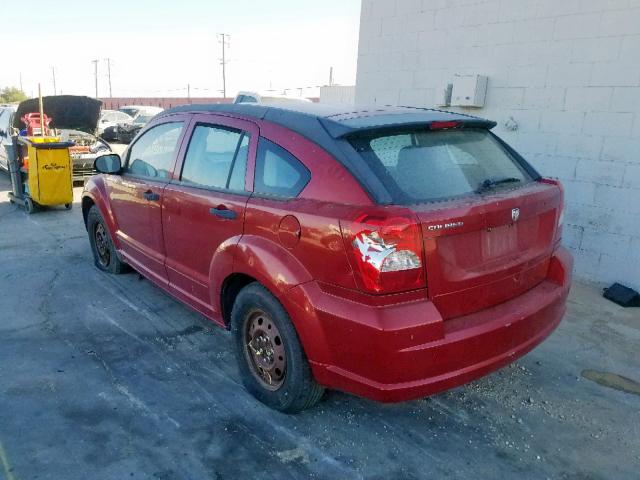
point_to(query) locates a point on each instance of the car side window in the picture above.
(278, 172)
(153, 153)
(216, 158)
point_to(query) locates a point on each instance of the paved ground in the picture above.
(106, 377)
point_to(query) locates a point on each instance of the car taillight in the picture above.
(557, 183)
(386, 253)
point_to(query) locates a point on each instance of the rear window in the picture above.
(422, 166)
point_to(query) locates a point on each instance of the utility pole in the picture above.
(53, 72)
(109, 75)
(21, 89)
(224, 39)
(95, 74)
(189, 92)
(330, 76)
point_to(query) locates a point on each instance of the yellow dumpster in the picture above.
(49, 172)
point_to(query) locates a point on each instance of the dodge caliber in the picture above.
(387, 252)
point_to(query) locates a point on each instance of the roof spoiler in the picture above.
(414, 120)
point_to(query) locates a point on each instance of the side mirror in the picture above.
(110, 163)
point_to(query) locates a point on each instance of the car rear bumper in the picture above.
(405, 351)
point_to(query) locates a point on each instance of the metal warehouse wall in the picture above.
(567, 72)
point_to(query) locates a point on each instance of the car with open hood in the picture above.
(74, 118)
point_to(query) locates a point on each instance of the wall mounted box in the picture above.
(469, 91)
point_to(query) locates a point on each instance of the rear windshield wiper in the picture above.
(490, 183)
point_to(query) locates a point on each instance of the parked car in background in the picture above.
(6, 126)
(139, 115)
(126, 132)
(109, 119)
(135, 110)
(254, 97)
(74, 118)
(388, 252)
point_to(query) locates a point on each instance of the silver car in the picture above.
(6, 145)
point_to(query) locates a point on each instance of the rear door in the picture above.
(482, 253)
(136, 195)
(204, 206)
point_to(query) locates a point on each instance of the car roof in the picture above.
(338, 120)
(326, 125)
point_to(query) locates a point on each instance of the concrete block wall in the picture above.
(567, 72)
(338, 94)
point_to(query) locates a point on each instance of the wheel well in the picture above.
(230, 290)
(87, 203)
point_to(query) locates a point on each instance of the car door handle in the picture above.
(152, 197)
(223, 212)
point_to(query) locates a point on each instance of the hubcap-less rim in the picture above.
(102, 245)
(264, 350)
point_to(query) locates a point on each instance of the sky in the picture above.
(159, 48)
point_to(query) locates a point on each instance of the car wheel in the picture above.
(104, 252)
(68, 206)
(273, 365)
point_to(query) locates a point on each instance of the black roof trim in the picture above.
(338, 121)
(328, 125)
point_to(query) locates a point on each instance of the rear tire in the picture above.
(104, 252)
(293, 388)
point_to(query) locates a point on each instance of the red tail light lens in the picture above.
(560, 224)
(385, 253)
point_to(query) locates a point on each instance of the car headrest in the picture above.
(428, 172)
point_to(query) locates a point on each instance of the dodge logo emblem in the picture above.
(515, 214)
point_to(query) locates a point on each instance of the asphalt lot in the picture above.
(106, 377)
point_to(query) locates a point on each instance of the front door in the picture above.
(136, 196)
(203, 208)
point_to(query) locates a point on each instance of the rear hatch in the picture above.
(489, 223)
(481, 253)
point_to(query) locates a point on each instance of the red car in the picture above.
(387, 252)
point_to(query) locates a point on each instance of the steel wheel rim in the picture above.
(264, 350)
(102, 244)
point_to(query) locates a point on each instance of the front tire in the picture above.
(104, 252)
(273, 365)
